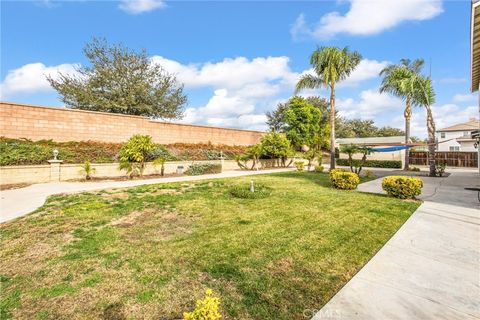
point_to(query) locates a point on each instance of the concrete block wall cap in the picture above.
(55, 161)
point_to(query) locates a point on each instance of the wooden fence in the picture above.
(451, 159)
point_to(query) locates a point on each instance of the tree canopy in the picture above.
(120, 80)
(303, 120)
(358, 128)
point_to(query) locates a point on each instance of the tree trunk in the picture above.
(364, 159)
(407, 114)
(332, 127)
(431, 141)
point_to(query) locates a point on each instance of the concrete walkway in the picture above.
(19, 202)
(430, 269)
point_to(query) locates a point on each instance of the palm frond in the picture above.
(308, 81)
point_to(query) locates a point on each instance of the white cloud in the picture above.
(458, 98)
(300, 28)
(221, 104)
(140, 6)
(247, 121)
(366, 69)
(231, 73)
(370, 105)
(240, 86)
(368, 17)
(32, 78)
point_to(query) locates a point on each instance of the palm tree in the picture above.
(331, 65)
(392, 83)
(423, 94)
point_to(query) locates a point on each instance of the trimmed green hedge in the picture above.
(373, 163)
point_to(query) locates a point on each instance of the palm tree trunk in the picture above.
(407, 114)
(332, 127)
(431, 141)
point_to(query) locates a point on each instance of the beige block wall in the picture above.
(24, 174)
(61, 124)
(38, 174)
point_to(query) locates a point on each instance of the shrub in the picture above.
(159, 151)
(88, 170)
(440, 170)
(402, 187)
(134, 154)
(197, 169)
(319, 169)
(342, 179)
(205, 309)
(160, 161)
(299, 165)
(414, 169)
(243, 191)
(372, 163)
(276, 146)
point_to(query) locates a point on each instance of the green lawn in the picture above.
(149, 252)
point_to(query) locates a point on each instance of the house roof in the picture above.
(475, 45)
(372, 140)
(472, 124)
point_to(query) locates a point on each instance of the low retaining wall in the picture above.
(43, 173)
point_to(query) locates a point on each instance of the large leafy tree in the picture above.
(276, 118)
(303, 120)
(394, 77)
(330, 65)
(121, 81)
(303, 123)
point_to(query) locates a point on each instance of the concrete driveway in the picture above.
(430, 269)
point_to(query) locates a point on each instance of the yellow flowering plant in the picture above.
(205, 309)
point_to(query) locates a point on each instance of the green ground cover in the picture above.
(149, 252)
(28, 152)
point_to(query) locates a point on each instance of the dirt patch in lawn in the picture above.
(128, 220)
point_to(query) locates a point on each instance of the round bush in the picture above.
(243, 191)
(300, 165)
(344, 180)
(319, 169)
(402, 187)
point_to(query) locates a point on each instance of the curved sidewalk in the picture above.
(429, 269)
(19, 202)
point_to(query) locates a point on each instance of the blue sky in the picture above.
(238, 59)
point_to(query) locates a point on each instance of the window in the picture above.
(466, 133)
(442, 135)
(454, 148)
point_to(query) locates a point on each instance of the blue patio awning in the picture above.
(390, 149)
